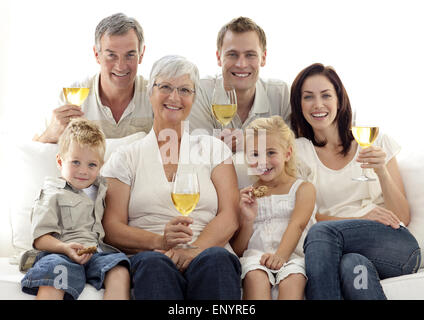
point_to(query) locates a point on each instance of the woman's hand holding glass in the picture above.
(176, 232)
(365, 136)
(372, 157)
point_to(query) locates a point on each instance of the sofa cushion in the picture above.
(35, 161)
(407, 287)
(411, 165)
(10, 285)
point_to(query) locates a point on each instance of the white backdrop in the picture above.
(376, 46)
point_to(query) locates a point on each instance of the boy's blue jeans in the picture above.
(61, 272)
(213, 274)
(346, 259)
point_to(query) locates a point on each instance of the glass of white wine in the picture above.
(76, 96)
(224, 103)
(365, 136)
(185, 194)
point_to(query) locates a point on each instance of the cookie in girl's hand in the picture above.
(260, 191)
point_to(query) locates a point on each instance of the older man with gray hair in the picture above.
(118, 100)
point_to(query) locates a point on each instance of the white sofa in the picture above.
(35, 160)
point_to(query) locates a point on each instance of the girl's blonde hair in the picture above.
(276, 125)
(86, 134)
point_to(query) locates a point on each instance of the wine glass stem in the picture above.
(363, 169)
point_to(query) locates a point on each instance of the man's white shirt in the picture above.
(138, 116)
(271, 98)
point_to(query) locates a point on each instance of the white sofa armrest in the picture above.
(6, 247)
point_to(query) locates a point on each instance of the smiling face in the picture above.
(80, 165)
(275, 158)
(170, 109)
(119, 59)
(319, 102)
(241, 57)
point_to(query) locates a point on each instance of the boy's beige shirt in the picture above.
(69, 214)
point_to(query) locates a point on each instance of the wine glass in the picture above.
(365, 135)
(224, 103)
(76, 96)
(185, 195)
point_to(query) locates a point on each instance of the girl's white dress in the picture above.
(273, 216)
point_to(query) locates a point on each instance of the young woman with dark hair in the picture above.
(360, 236)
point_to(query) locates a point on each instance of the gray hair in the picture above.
(118, 24)
(173, 66)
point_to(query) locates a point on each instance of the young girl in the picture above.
(271, 227)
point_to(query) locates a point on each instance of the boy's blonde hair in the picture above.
(86, 134)
(276, 125)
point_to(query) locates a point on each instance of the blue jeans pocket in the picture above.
(413, 263)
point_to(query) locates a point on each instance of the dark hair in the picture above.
(298, 122)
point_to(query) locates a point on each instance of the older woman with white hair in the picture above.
(140, 218)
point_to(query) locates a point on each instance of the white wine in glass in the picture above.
(365, 137)
(185, 202)
(185, 195)
(224, 103)
(76, 96)
(224, 113)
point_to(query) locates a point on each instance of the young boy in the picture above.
(66, 218)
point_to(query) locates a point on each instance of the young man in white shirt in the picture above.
(118, 100)
(241, 52)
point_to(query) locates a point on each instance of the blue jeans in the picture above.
(61, 272)
(213, 274)
(346, 259)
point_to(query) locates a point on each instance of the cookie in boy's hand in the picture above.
(260, 191)
(89, 250)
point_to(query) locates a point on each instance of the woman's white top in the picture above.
(140, 166)
(337, 194)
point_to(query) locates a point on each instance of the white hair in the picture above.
(173, 66)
